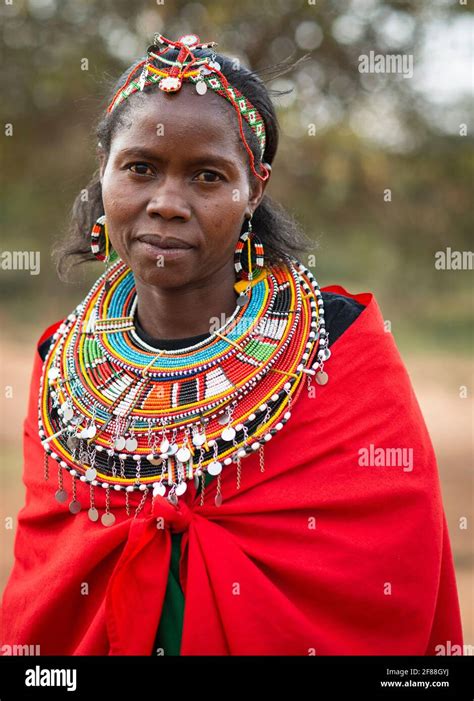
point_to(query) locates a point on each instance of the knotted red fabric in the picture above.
(321, 553)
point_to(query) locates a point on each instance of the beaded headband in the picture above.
(204, 73)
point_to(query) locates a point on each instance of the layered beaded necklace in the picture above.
(121, 415)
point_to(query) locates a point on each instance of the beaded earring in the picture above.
(251, 264)
(99, 229)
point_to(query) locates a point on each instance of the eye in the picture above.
(138, 165)
(212, 174)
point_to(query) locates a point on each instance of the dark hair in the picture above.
(280, 233)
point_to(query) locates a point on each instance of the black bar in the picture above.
(317, 678)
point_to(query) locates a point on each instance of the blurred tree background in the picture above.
(347, 139)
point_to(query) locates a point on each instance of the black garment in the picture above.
(339, 312)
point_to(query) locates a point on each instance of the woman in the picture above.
(212, 416)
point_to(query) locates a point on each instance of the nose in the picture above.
(167, 200)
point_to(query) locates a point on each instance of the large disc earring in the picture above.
(249, 257)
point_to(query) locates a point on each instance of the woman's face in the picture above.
(177, 168)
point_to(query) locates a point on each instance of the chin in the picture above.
(175, 271)
(165, 277)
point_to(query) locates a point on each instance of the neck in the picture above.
(189, 311)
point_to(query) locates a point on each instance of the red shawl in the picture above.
(316, 555)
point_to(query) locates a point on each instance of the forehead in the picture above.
(181, 119)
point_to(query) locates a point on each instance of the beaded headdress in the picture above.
(204, 73)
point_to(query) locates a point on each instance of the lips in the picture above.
(163, 242)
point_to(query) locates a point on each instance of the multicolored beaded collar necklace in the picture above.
(119, 414)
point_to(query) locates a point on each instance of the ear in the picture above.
(258, 188)
(102, 156)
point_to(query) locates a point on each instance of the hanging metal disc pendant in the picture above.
(120, 443)
(93, 514)
(108, 519)
(181, 488)
(198, 439)
(75, 506)
(159, 490)
(72, 443)
(183, 455)
(91, 474)
(173, 498)
(322, 378)
(61, 496)
(223, 419)
(91, 431)
(131, 444)
(201, 87)
(67, 412)
(214, 468)
(228, 434)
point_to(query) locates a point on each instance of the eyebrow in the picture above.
(152, 155)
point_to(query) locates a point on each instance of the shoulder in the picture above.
(340, 312)
(46, 338)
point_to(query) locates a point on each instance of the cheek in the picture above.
(223, 219)
(114, 196)
(119, 209)
(221, 228)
